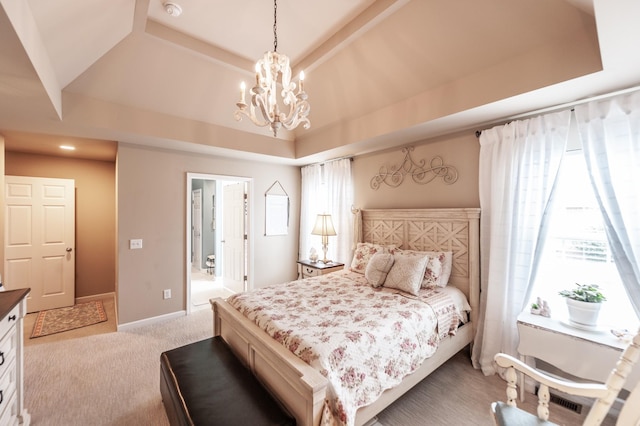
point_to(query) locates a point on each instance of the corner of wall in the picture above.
(2, 198)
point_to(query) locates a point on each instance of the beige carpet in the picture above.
(105, 379)
(113, 379)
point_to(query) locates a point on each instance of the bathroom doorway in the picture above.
(218, 218)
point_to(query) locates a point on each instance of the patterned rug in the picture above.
(69, 318)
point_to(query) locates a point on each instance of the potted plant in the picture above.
(536, 308)
(584, 302)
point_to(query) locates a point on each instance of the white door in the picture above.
(39, 240)
(233, 236)
(196, 223)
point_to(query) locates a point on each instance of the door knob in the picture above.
(69, 249)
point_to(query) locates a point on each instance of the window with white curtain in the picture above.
(576, 249)
(327, 188)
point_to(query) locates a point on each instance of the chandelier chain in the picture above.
(275, 25)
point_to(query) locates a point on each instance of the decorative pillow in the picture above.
(438, 269)
(362, 255)
(407, 273)
(378, 268)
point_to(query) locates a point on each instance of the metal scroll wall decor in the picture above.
(419, 172)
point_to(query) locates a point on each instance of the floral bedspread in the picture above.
(363, 339)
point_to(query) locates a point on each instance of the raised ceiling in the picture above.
(379, 73)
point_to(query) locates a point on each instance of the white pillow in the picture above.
(407, 273)
(378, 267)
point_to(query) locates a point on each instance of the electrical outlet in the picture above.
(166, 294)
(135, 244)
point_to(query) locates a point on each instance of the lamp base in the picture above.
(324, 250)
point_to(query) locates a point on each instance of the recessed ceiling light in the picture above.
(68, 147)
(172, 9)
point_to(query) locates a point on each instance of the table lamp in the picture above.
(324, 228)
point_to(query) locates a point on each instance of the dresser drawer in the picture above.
(309, 272)
(7, 390)
(8, 351)
(9, 409)
(10, 320)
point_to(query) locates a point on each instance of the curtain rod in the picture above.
(348, 157)
(567, 105)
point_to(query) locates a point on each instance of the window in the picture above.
(576, 249)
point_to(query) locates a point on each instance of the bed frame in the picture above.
(301, 388)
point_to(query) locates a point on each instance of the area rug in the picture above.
(69, 318)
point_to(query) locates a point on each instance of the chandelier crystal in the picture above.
(265, 107)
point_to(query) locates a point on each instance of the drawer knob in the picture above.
(12, 317)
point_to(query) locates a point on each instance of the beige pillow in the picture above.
(438, 268)
(407, 273)
(364, 252)
(378, 267)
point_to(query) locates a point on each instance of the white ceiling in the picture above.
(379, 73)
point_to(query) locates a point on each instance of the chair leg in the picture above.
(543, 402)
(512, 388)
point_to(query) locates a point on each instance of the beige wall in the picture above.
(152, 187)
(2, 198)
(461, 151)
(95, 213)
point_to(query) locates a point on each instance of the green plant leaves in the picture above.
(585, 293)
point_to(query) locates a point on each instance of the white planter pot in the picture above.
(583, 314)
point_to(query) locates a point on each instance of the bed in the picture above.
(301, 388)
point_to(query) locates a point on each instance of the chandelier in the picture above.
(265, 107)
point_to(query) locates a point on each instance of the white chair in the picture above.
(508, 414)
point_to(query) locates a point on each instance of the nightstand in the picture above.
(307, 269)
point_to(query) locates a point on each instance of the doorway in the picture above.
(218, 243)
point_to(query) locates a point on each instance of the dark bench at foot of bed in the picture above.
(203, 383)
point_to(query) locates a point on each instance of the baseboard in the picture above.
(93, 297)
(149, 321)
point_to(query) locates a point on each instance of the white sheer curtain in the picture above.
(310, 205)
(610, 135)
(327, 188)
(519, 164)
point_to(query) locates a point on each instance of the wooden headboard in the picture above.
(455, 230)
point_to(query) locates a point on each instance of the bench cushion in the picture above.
(204, 383)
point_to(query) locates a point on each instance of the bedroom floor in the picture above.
(457, 391)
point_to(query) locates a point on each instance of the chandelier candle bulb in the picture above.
(243, 88)
(301, 81)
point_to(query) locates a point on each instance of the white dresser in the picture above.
(13, 307)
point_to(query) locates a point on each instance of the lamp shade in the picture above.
(324, 226)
